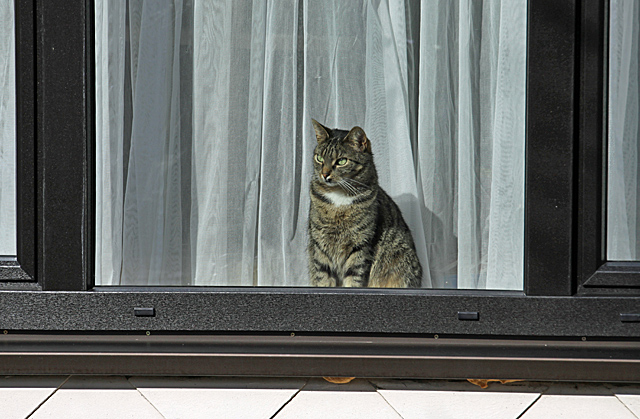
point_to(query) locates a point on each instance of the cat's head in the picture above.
(343, 160)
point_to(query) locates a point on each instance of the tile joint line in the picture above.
(49, 396)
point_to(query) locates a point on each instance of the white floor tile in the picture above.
(582, 401)
(632, 402)
(460, 385)
(116, 397)
(21, 395)
(629, 395)
(458, 404)
(195, 398)
(322, 400)
(97, 398)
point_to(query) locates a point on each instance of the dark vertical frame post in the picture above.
(550, 152)
(62, 144)
(90, 149)
(593, 73)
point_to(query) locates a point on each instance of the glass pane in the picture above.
(7, 132)
(206, 145)
(623, 197)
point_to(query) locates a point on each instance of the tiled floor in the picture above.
(166, 397)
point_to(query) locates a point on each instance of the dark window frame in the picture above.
(559, 327)
(20, 271)
(595, 274)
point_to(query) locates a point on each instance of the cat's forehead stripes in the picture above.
(334, 145)
(329, 151)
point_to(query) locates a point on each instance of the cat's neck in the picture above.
(339, 199)
(334, 199)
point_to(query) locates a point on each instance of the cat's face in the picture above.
(342, 160)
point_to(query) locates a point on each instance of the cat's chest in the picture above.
(337, 240)
(339, 217)
(343, 225)
(337, 220)
(338, 229)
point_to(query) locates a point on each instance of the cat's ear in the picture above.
(358, 140)
(322, 132)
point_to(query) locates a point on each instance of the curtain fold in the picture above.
(139, 215)
(471, 133)
(623, 197)
(205, 181)
(8, 243)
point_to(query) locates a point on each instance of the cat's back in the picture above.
(395, 261)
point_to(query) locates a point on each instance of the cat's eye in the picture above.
(319, 158)
(341, 162)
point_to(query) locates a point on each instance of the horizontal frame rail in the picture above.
(259, 355)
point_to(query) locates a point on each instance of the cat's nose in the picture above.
(326, 177)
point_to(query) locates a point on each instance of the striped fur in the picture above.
(357, 236)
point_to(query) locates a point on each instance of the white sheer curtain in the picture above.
(7, 132)
(471, 141)
(209, 183)
(623, 197)
(141, 194)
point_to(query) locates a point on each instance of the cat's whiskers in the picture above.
(357, 182)
(347, 187)
(356, 186)
(343, 184)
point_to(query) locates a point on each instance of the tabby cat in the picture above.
(357, 236)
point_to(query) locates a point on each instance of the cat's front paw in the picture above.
(324, 282)
(354, 282)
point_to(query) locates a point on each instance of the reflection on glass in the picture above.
(623, 197)
(205, 142)
(7, 132)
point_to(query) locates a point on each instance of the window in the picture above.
(204, 135)
(610, 236)
(576, 317)
(7, 134)
(623, 212)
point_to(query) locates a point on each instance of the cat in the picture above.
(357, 236)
